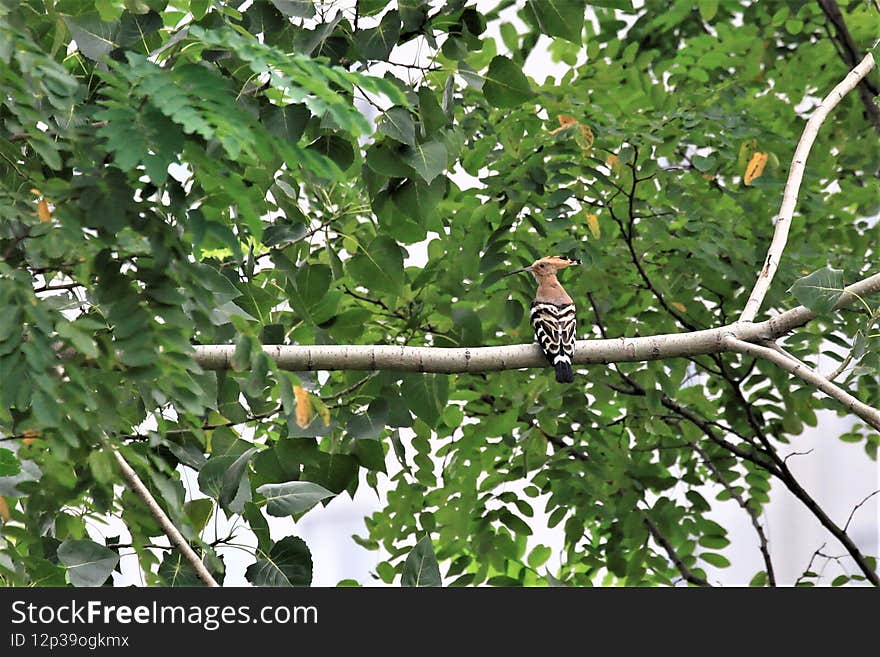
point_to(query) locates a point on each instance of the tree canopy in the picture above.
(193, 172)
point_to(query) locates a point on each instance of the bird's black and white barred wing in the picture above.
(555, 331)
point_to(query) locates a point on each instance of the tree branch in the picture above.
(849, 53)
(518, 356)
(673, 555)
(807, 374)
(857, 507)
(792, 186)
(798, 491)
(177, 539)
(753, 516)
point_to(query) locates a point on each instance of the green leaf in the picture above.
(714, 542)
(103, 466)
(505, 84)
(426, 396)
(176, 571)
(295, 8)
(222, 477)
(428, 159)
(717, 560)
(334, 148)
(289, 563)
(87, 563)
(708, 9)
(313, 282)
(387, 161)
(9, 465)
(370, 454)
(412, 13)
(819, 291)
(397, 123)
(199, 512)
(258, 525)
(562, 18)
(371, 423)
(514, 522)
(293, 497)
(379, 266)
(624, 5)
(539, 556)
(840, 580)
(287, 122)
(378, 42)
(760, 579)
(421, 567)
(431, 114)
(93, 37)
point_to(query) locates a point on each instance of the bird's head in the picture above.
(548, 266)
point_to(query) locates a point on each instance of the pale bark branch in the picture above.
(177, 539)
(509, 357)
(867, 413)
(792, 185)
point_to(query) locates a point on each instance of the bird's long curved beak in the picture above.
(518, 271)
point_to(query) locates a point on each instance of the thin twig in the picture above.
(810, 564)
(856, 508)
(673, 555)
(753, 516)
(840, 368)
(848, 51)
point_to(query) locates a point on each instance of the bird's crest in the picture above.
(558, 262)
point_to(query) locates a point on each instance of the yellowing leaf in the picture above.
(303, 407)
(585, 139)
(679, 306)
(755, 167)
(584, 136)
(564, 122)
(4, 510)
(43, 211)
(613, 163)
(593, 225)
(29, 435)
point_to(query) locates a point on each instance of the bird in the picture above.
(553, 314)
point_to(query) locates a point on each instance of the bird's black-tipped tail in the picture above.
(564, 374)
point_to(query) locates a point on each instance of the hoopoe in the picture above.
(553, 315)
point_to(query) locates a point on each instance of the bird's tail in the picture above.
(564, 373)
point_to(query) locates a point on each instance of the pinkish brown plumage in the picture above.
(553, 315)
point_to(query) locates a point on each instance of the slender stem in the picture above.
(177, 539)
(673, 555)
(753, 516)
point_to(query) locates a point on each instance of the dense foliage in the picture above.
(186, 171)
